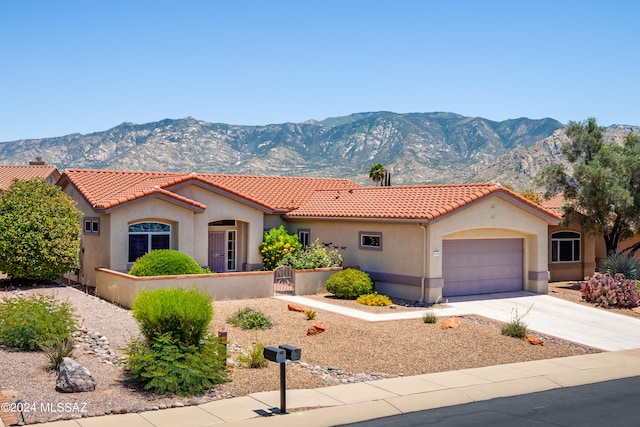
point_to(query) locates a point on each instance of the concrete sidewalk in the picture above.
(351, 403)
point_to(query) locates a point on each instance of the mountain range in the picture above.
(414, 147)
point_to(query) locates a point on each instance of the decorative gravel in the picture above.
(349, 350)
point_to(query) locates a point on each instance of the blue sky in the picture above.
(86, 66)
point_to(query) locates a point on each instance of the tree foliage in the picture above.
(39, 231)
(377, 173)
(602, 191)
(277, 243)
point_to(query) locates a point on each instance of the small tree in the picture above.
(39, 231)
(377, 173)
(275, 245)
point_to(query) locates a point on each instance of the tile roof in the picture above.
(105, 189)
(9, 172)
(415, 202)
(553, 204)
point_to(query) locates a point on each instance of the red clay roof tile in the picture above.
(9, 172)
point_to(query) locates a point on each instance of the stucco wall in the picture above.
(565, 271)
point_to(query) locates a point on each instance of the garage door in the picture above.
(471, 267)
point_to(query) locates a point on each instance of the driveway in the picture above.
(550, 316)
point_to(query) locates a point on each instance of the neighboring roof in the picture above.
(106, 189)
(553, 204)
(8, 173)
(414, 202)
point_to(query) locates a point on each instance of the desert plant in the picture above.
(275, 245)
(184, 314)
(57, 351)
(168, 366)
(607, 291)
(374, 299)
(254, 358)
(430, 317)
(516, 327)
(27, 322)
(623, 264)
(314, 256)
(165, 262)
(39, 231)
(310, 314)
(349, 283)
(248, 318)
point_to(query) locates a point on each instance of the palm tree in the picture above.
(377, 173)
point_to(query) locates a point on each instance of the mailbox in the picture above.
(293, 353)
(275, 354)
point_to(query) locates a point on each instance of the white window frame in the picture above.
(93, 223)
(556, 242)
(149, 236)
(304, 236)
(364, 236)
(232, 250)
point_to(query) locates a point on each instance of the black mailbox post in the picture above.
(280, 355)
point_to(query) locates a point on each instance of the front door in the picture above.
(216, 251)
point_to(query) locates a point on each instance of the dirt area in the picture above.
(570, 291)
(349, 350)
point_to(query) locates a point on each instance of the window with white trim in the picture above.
(91, 226)
(370, 240)
(565, 246)
(303, 237)
(147, 236)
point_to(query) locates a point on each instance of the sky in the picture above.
(87, 66)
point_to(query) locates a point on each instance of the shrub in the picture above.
(516, 327)
(39, 231)
(57, 351)
(168, 366)
(31, 321)
(254, 358)
(349, 284)
(248, 318)
(165, 262)
(374, 299)
(275, 245)
(314, 256)
(310, 314)
(606, 291)
(430, 317)
(184, 314)
(624, 264)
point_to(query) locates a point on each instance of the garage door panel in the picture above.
(472, 267)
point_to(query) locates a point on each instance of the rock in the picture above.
(316, 328)
(296, 307)
(452, 322)
(74, 378)
(534, 340)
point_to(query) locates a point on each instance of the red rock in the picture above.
(296, 307)
(534, 340)
(452, 322)
(316, 328)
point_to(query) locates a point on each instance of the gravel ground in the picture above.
(348, 351)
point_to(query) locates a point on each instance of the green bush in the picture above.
(374, 299)
(430, 317)
(168, 366)
(166, 262)
(39, 231)
(254, 358)
(276, 243)
(28, 322)
(313, 256)
(184, 314)
(248, 318)
(349, 284)
(623, 264)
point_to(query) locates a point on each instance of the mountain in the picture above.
(415, 147)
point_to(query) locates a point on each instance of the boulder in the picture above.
(296, 307)
(452, 322)
(74, 378)
(316, 328)
(534, 340)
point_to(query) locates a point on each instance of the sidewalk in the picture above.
(363, 401)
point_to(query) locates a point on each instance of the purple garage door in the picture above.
(471, 267)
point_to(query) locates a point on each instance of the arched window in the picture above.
(565, 246)
(147, 236)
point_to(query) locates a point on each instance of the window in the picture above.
(231, 250)
(91, 226)
(147, 236)
(565, 246)
(370, 240)
(303, 237)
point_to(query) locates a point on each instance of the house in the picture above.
(35, 169)
(417, 242)
(574, 254)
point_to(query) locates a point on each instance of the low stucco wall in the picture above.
(122, 288)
